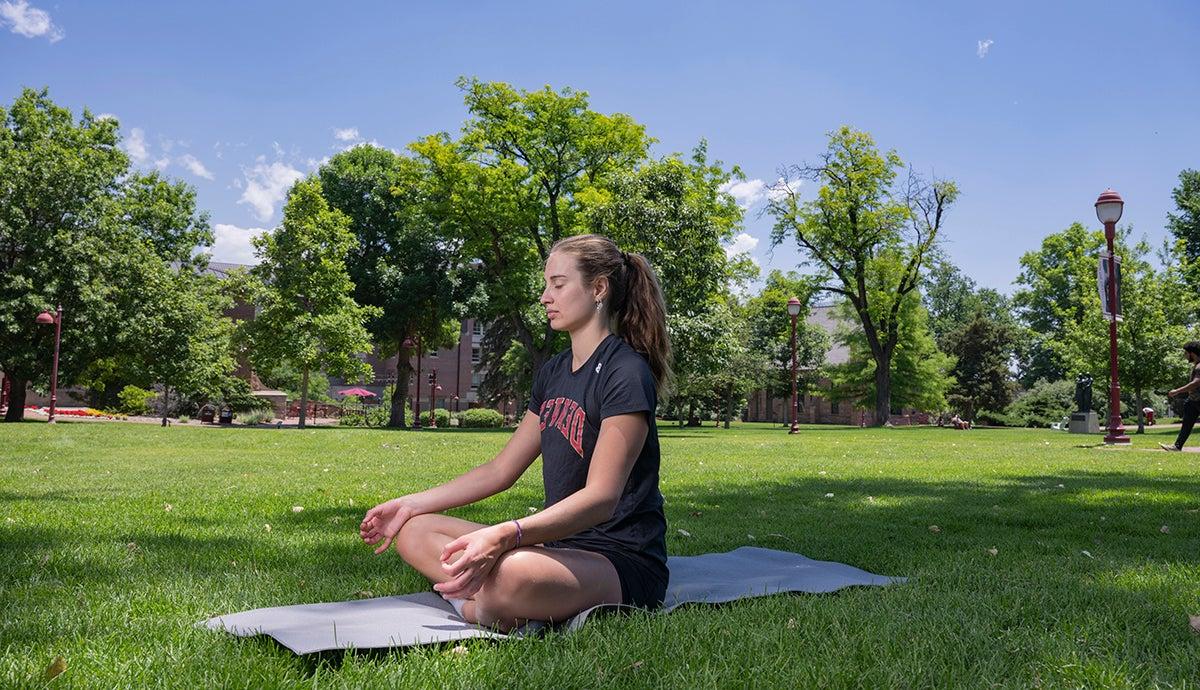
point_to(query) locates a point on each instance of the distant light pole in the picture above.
(793, 309)
(56, 319)
(1108, 210)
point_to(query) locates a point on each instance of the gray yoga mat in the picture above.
(426, 618)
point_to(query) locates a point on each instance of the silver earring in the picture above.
(599, 305)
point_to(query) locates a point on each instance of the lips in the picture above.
(551, 314)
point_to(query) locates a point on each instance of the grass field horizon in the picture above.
(1033, 557)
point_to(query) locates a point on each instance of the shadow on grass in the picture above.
(1039, 584)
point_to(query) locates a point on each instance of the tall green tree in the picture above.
(307, 313)
(1148, 336)
(181, 338)
(920, 375)
(864, 221)
(1184, 225)
(401, 261)
(1054, 287)
(509, 188)
(64, 240)
(770, 334)
(982, 349)
(675, 213)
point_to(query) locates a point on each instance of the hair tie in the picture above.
(625, 258)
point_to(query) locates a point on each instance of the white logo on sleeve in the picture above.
(598, 365)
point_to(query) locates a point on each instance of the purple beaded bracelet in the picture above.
(519, 533)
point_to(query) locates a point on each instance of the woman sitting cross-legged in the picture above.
(601, 537)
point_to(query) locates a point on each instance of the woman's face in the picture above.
(568, 302)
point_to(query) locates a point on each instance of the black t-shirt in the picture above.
(615, 380)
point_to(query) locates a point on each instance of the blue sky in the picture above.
(1032, 108)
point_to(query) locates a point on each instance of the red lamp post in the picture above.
(1108, 210)
(56, 319)
(793, 309)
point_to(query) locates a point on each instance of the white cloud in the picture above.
(136, 147)
(746, 192)
(347, 134)
(982, 48)
(266, 185)
(194, 166)
(232, 243)
(749, 193)
(743, 243)
(106, 116)
(782, 188)
(29, 22)
(162, 163)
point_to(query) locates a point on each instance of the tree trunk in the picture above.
(166, 402)
(883, 391)
(304, 397)
(396, 418)
(1140, 403)
(728, 404)
(16, 400)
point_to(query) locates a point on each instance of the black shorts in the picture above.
(643, 581)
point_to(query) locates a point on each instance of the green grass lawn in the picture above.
(118, 538)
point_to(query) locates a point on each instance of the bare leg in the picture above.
(529, 583)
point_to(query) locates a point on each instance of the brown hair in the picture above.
(635, 299)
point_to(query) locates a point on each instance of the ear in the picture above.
(600, 289)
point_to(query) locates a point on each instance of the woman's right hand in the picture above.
(383, 522)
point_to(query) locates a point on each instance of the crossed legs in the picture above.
(529, 583)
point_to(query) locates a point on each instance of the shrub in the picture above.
(1043, 404)
(134, 400)
(993, 418)
(257, 417)
(184, 419)
(442, 416)
(372, 416)
(481, 418)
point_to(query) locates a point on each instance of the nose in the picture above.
(544, 298)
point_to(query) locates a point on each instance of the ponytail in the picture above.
(636, 304)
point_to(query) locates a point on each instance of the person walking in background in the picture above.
(1191, 405)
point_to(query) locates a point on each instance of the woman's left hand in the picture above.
(478, 553)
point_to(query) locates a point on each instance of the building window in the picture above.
(433, 355)
(476, 354)
(833, 407)
(476, 377)
(477, 329)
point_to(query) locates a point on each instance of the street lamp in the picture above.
(793, 309)
(56, 319)
(1108, 210)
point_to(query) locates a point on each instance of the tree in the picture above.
(770, 333)
(1185, 223)
(862, 223)
(1185, 228)
(1148, 336)
(920, 373)
(181, 338)
(307, 314)
(982, 349)
(164, 214)
(674, 213)
(509, 189)
(1055, 284)
(62, 241)
(401, 262)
